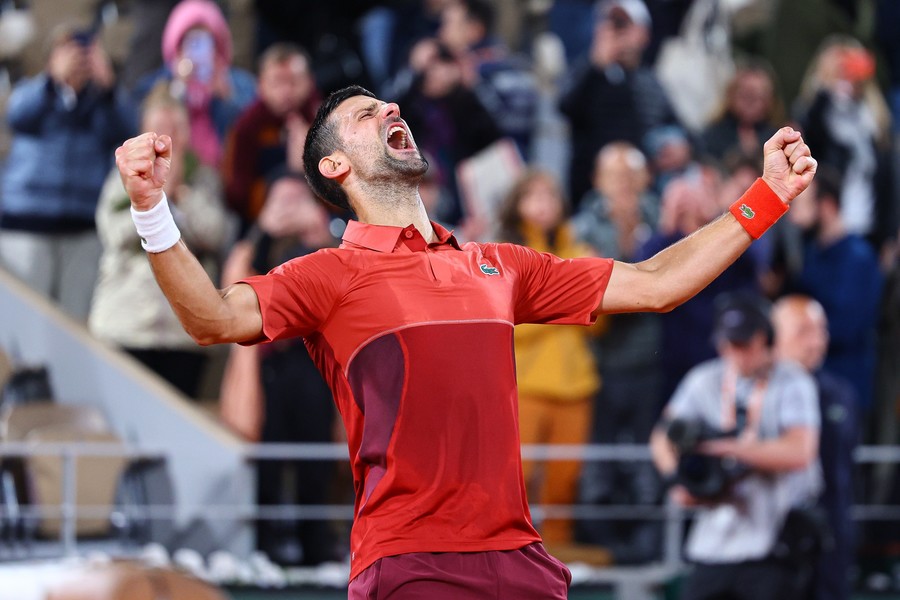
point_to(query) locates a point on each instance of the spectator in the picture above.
(145, 43)
(571, 21)
(504, 82)
(771, 410)
(66, 122)
(801, 335)
(270, 132)
(847, 123)
(610, 96)
(327, 30)
(688, 204)
(450, 122)
(750, 113)
(793, 33)
(128, 311)
(390, 29)
(197, 50)
(618, 216)
(841, 271)
(554, 366)
(297, 404)
(671, 155)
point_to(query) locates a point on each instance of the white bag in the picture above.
(695, 67)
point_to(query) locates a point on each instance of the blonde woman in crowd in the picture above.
(128, 309)
(846, 121)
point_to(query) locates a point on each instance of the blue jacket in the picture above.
(60, 155)
(846, 279)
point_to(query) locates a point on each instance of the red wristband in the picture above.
(758, 209)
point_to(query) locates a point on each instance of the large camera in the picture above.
(703, 476)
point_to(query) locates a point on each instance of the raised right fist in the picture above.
(144, 163)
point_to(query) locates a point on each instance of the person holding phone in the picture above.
(65, 122)
(197, 54)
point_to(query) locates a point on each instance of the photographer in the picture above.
(747, 426)
(66, 122)
(611, 95)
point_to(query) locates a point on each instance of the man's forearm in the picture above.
(208, 315)
(664, 457)
(795, 449)
(689, 265)
(676, 274)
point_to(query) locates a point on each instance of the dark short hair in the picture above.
(281, 52)
(322, 140)
(481, 12)
(740, 315)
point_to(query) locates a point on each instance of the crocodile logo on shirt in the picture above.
(746, 211)
(488, 270)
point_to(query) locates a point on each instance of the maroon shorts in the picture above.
(528, 573)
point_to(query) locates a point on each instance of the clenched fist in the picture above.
(144, 163)
(788, 166)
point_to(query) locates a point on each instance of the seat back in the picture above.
(96, 479)
(17, 421)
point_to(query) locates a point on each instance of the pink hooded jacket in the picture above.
(205, 14)
(189, 14)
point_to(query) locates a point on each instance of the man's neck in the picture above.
(401, 210)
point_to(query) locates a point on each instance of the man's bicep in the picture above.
(631, 288)
(245, 314)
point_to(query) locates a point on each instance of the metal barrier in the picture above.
(630, 583)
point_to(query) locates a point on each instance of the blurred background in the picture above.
(130, 458)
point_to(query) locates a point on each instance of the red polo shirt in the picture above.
(416, 342)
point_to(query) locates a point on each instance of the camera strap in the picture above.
(746, 419)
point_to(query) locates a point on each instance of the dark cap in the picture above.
(740, 317)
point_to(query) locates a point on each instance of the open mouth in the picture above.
(397, 138)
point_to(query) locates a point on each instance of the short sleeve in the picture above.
(297, 297)
(550, 289)
(686, 402)
(799, 406)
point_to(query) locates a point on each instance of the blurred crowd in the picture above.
(609, 128)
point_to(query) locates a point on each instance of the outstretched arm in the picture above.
(209, 315)
(677, 273)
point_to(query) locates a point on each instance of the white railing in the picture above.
(632, 583)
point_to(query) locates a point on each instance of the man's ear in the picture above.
(334, 166)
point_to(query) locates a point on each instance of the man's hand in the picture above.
(722, 447)
(101, 70)
(682, 497)
(144, 164)
(69, 65)
(788, 166)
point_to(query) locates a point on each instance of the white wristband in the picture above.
(156, 227)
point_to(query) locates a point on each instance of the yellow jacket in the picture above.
(555, 360)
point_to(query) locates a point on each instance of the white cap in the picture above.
(635, 10)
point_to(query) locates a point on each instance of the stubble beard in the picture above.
(391, 168)
(394, 180)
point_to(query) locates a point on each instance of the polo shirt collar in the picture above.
(384, 238)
